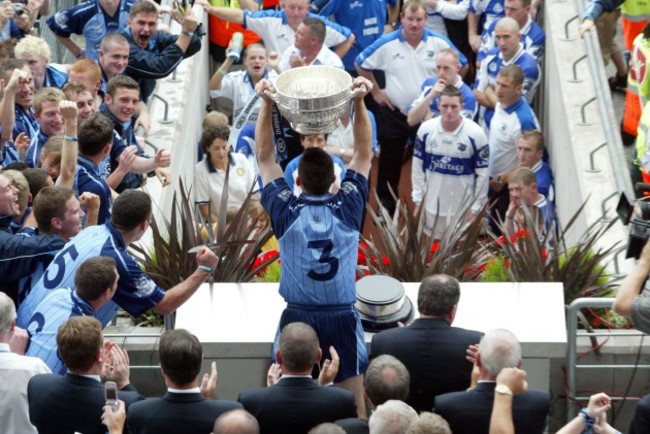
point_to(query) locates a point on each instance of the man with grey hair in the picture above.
(433, 351)
(392, 417)
(237, 421)
(469, 412)
(429, 423)
(15, 372)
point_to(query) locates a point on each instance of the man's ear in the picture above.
(56, 223)
(298, 181)
(278, 358)
(319, 356)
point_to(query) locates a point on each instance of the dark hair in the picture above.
(180, 355)
(95, 134)
(438, 294)
(452, 91)
(50, 203)
(18, 166)
(37, 179)
(78, 340)
(121, 82)
(94, 276)
(386, 378)
(316, 170)
(298, 346)
(316, 28)
(131, 208)
(210, 134)
(142, 6)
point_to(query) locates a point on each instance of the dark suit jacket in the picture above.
(434, 354)
(68, 404)
(295, 405)
(469, 412)
(177, 413)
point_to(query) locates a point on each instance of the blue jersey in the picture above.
(532, 37)
(544, 178)
(56, 308)
(91, 21)
(365, 18)
(136, 292)
(55, 76)
(489, 10)
(38, 268)
(33, 155)
(319, 239)
(88, 177)
(24, 122)
(470, 105)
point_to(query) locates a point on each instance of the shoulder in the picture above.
(450, 401)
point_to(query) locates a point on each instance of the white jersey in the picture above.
(324, 57)
(505, 130)
(274, 29)
(238, 87)
(449, 167)
(445, 9)
(405, 67)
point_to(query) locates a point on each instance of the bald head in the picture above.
(507, 23)
(236, 422)
(386, 378)
(7, 316)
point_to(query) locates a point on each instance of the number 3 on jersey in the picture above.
(54, 275)
(325, 258)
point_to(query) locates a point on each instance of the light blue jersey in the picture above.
(136, 292)
(56, 308)
(319, 238)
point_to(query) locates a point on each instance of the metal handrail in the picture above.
(572, 348)
(606, 109)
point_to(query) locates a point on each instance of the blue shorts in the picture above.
(337, 326)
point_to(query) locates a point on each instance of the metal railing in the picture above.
(572, 365)
(603, 97)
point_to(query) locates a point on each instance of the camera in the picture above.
(637, 214)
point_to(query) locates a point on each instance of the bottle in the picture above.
(235, 51)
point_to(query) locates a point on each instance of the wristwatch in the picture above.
(502, 389)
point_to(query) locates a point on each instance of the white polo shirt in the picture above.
(505, 131)
(405, 67)
(324, 57)
(274, 29)
(238, 87)
(208, 182)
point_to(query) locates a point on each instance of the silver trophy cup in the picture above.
(313, 98)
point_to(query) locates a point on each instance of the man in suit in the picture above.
(386, 378)
(73, 403)
(182, 408)
(296, 403)
(468, 412)
(432, 350)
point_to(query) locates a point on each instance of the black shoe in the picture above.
(618, 83)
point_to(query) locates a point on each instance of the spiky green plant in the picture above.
(408, 254)
(168, 262)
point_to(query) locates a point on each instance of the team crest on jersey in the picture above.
(240, 171)
(503, 127)
(430, 53)
(145, 287)
(284, 195)
(397, 56)
(61, 18)
(484, 153)
(348, 187)
(462, 147)
(492, 67)
(498, 8)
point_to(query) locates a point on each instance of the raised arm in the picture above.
(70, 149)
(361, 129)
(269, 169)
(633, 284)
(232, 15)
